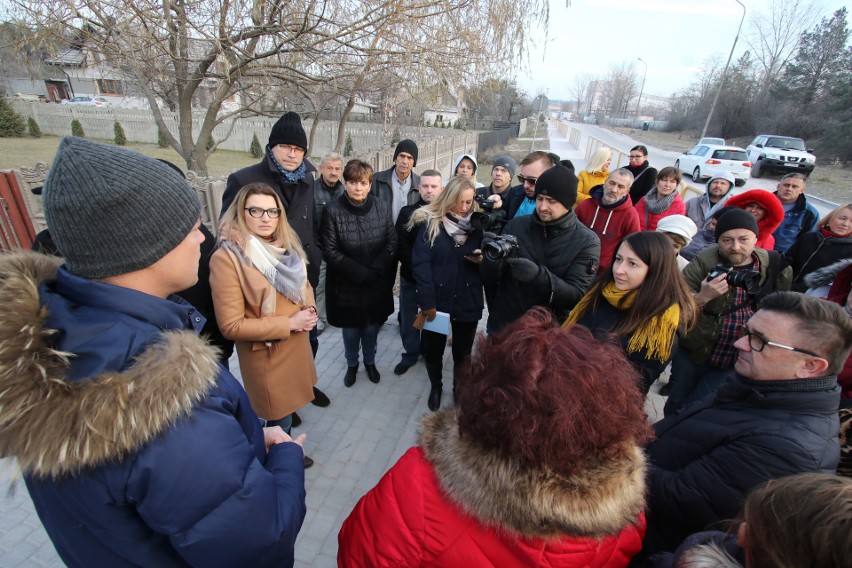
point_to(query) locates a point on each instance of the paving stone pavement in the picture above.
(353, 442)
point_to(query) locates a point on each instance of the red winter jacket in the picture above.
(676, 208)
(771, 220)
(408, 519)
(610, 223)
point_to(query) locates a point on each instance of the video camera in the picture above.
(488, 218)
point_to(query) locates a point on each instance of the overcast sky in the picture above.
(674, 38)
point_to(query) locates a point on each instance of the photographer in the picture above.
(545, 259)
(729, 280)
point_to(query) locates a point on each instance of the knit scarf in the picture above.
(290, 177)
(286, 272)
(656, 337)
(458, 228)
(654, 204)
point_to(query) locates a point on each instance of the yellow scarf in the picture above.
(657, 337)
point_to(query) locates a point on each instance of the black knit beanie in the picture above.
(560, 183)
(288, 130)
(407, 146)
(112, 211)
(736, 219)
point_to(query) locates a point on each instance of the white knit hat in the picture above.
(679, 225)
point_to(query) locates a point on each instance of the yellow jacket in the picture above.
(588, 180)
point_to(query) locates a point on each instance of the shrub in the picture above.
(11, 123)
(77, 129)
(395, 138)
(256, 150)
(33, 127)
(428, 122)
(347, 147)
(161, 139)
(119, 137)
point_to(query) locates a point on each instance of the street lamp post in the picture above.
(724, 72)
(642, 89)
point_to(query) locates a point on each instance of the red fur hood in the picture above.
(774, 209)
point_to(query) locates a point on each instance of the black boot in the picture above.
(349, 377)
(372, 372)
(434, 370)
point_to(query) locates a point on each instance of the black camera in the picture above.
(503, 246)
(746, 279)
(488, 218)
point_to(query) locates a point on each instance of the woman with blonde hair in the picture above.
(815, 251)
(445, 263)
(596, 172)
(263, 301)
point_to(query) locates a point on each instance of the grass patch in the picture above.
(17, 152)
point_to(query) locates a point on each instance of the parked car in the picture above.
(713, 141)
(706, 160)
(770, 153)
(89, 101)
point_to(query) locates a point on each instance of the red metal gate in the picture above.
(16, 228)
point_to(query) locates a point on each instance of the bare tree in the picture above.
(621, 84)
(580, 89)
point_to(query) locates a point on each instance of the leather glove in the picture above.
(424, 316)
(523, 270)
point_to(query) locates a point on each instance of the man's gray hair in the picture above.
(332, 157)
(622, 172)
(796, 175)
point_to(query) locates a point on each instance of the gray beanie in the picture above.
(112, 211)
(506, 162)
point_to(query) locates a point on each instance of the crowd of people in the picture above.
(139, 447)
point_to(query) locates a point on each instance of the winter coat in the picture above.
(359, 245)
(453, 503)
(382, 187)
(648, 221)
(512, 198)
(567, 253)
(603, 320)
(405, 239)
(699, 342)
(644, 178)
(445, 279)
(609, 222)
(703, 239)
(137, 447)
(322, 195)
(298, 200)
(707, 457)
(813, 251)
(771, 219)
(586, 181)
(472, 158)
(277, 365)
(699, 208)
(803, 217)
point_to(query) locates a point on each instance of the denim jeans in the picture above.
(360, 338)
(692, 381)
(286, 423)
(407, 312)
(320, 296)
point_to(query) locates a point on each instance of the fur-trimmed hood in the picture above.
(774, 210)
(534, 502)
(56, 427)
(826, 275)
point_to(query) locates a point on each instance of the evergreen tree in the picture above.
(395, 138)
(256, 150)
(77, 129)
(11, 123)
(161, 139)
(33, 127)
(347, 148)
(119, 137)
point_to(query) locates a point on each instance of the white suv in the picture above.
(770, 153)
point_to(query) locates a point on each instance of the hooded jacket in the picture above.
(771, 219)
(472, 158)
(609, 222)
(699, 208)
(137, 447)
(452, 503)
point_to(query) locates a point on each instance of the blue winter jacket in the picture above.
(803, 217)
(137, 447)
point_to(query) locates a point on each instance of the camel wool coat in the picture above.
(277, 366)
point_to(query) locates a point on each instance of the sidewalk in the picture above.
(353, 442)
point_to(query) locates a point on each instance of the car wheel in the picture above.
(696, 174)
(757, 169)
(739, 182)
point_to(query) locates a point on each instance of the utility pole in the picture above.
(724, 72)
(641, 90)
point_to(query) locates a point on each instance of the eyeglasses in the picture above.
(757, 342)
(524, 179)
(636, 157)
(290, 149)
(258, 212)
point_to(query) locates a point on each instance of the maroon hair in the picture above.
(551, 397)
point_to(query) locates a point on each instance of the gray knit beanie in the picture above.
(112, 211)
